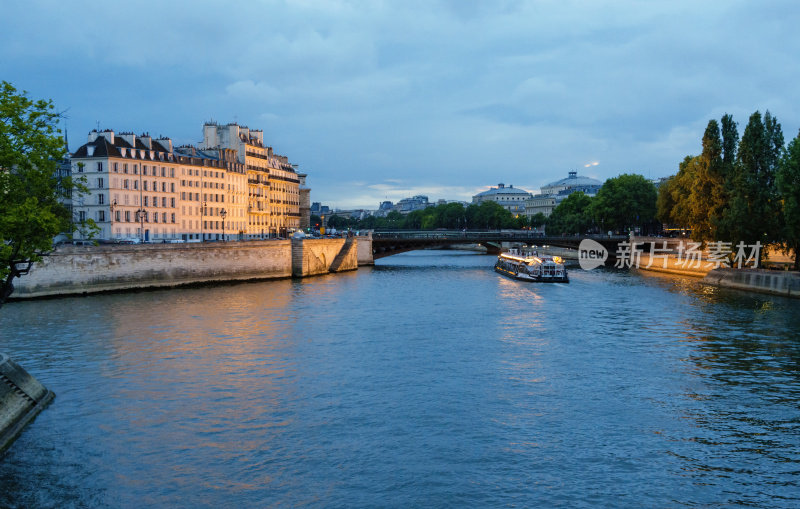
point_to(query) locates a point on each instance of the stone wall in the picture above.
(312, 257)
(22, 397)
(365, 251)
(774, 282)
(77, 269)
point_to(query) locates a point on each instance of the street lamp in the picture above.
(223, 213)
(140, 217)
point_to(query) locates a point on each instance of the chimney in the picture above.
(147, 141)
(166, 143)
(109, 135)
(130, 138)
(501, 186)
(92, 135)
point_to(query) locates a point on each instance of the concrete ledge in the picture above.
(773, 282)
(22, 397)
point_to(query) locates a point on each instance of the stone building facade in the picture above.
(144, 189)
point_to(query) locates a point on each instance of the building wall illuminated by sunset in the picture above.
(144, 188)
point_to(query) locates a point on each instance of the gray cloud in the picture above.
(447, 96)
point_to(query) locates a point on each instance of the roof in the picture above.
(575, 180)
(502, 190)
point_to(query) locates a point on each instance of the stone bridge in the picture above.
(386, 243)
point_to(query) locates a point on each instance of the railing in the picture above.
(484, 235)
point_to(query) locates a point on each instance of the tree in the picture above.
(537, 220)
(788, 184)
(665, 203)
(32, 209)
(624, 202)
(707, 198)
(753, 212)
(573, 215)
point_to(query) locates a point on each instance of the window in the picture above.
(127, 216)
(136, 184)
(172, 172)
(163, 172)
(183, 195)
(172, 187)
(81, 215)
(155, 201)
(101, 199)
(115, 167)
(101, 215)
(163, 217)
(100, 183)
(172, 202)
(117, 215)
(163, 187)
(144, 169)
(135, 169)
(164, 201)
(124, 167)
(125, 184)
(145, 201)
(155, 217)
(99, 166)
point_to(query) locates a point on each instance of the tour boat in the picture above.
(531, 267)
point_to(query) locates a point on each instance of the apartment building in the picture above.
(273, 185)
(144, 188)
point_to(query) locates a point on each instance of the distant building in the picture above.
(305, 202)
(319, 209)
(408, 205)
(510, 198)
(554, 193)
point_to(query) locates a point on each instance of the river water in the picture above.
(427, 380)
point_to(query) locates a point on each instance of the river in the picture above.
(427, 380)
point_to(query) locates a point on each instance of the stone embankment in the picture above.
(774, 282)
(22, 397)
(89, 269)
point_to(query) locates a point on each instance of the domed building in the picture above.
(510, 198)
(555, 192)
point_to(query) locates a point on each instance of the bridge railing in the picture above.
(479, 235)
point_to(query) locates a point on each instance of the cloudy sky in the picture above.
(386, 99)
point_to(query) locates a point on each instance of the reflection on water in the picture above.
(426, 380)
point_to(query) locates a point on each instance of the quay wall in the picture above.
(22, 397)
(365, 251)
(773, 282)
(88, 269)
(311, 257)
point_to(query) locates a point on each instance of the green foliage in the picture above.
(571, 216)
(31, 210)
(624, 202)
(489, 215)
(753, 212)
(537, 220)
(788, 187)
(707, 197)
(664, 202)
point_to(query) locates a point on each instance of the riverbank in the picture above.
(773, 282)
(71, 270)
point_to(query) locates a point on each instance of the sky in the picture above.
(381, 100)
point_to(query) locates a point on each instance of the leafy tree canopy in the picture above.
(32, 211)
(625, 201)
